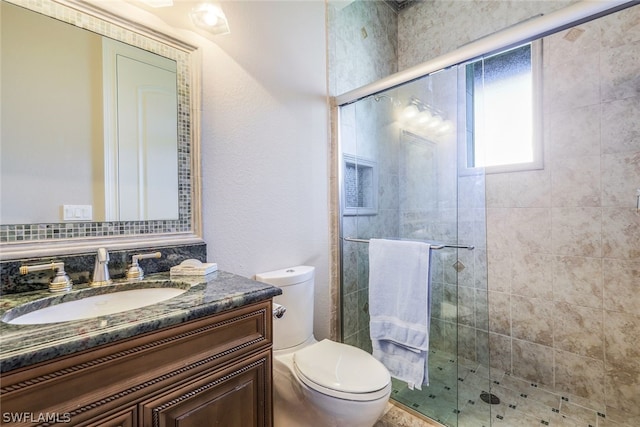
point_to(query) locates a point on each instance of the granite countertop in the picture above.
(24, 345)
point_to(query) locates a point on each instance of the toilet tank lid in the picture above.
(287, 276)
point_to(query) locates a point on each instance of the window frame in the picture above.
(466, 117)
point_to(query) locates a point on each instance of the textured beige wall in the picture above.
(265, 143)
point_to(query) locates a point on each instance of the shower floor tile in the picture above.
(453, 399)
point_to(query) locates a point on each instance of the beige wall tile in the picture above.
(498, 194)
(500, 230)
(467, 342)
(562, 46)
(532, 230)
(621, 233)
(620, 126)
(466, 306)
(623, 390)
(566, 94)
(480, 275)
(578, 281)
(622, 350)
(620, 71)
(533, 362)
(466, 276)
(499, 270)
(500, 313)
(450, 303)
(620, 179)
(527, 189)
(482, 310)
(576, 231)
(621, 28)
(579, 375)
(621, 285)
(532, 275)
(579, 330)
(576, 181)
(482, 347)
(530, 189)
(574, 133)
(532, 320)
(471, 192)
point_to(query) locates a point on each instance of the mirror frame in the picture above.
(10, 250)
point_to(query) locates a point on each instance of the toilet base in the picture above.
(297, 405)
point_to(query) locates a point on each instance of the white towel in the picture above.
(399, 306)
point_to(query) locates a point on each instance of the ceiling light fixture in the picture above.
(425, 118)
(210, 17)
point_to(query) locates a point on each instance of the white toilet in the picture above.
(319, 384)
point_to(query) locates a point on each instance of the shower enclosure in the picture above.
(538, 323)
(400, 181)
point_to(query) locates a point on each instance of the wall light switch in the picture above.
(77, 212)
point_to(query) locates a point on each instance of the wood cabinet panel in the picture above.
(108, 379)
(236, 396)
(127, 418)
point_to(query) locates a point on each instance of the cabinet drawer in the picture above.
(119, 375)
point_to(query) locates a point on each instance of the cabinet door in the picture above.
(238, 396)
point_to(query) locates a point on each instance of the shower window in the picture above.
(503, 102)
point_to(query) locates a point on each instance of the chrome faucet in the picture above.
(101, 269)
(59, 283)
(134, 271)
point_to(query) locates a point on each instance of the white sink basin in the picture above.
(98, 305)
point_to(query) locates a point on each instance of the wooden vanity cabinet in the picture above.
(232, 397)
(214, 371)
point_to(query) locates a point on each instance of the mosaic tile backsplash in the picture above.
(80, 267)
(52, 231)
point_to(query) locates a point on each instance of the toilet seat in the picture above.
(341, 371)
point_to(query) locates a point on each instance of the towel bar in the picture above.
(433, 245)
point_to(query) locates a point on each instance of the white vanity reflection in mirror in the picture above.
(99, 125)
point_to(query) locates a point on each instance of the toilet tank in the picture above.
(297, 284)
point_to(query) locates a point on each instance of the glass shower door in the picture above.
(399, 180)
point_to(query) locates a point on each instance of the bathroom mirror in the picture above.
(64, 177)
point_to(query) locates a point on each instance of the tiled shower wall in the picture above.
(564, 242)
(376, 139)
(363, 43)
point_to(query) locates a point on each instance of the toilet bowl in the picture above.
(319, 383)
